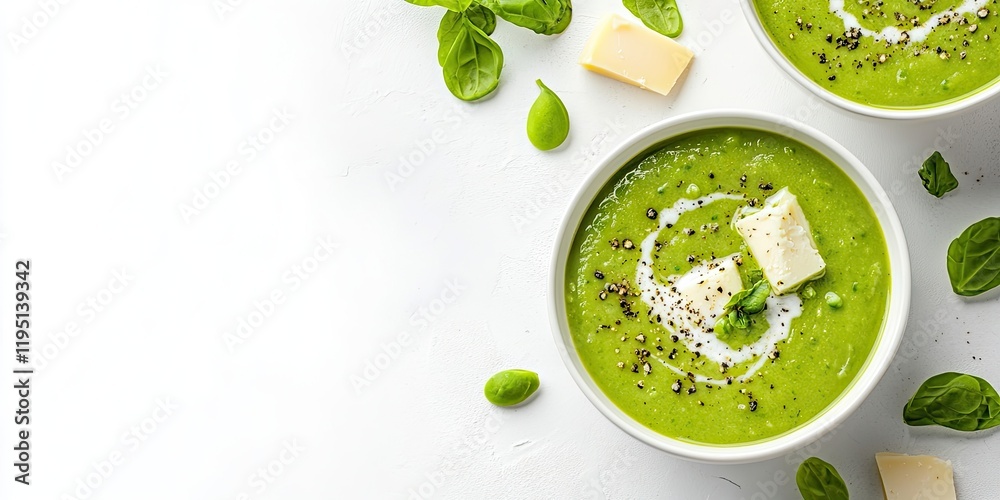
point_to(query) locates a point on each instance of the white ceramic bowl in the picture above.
(886, 344)
(750, 12)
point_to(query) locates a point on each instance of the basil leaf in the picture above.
(754, 302)
(473, 65)
(661, 16)
(954, 400)
(746, 302)
(451, 24)
(545, 17)
(739, 319)
(974, 258)
(722, 328)
(936, 175)
(735, 299)
(818, 480)
(452, 5)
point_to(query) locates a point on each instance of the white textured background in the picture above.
(451, 261)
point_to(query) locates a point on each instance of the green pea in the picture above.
(693, 191)
(808, 292)
(722, 328)
(548, 120)
(833, 300)
(510, 387)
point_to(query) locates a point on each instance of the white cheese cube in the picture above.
(778, 237)
(906, 477)
(706, 288)
(632, 53)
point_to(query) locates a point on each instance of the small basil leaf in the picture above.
(661, 16)
(545, 17)
(452, 5)
(511, 387)
(755, 301)
(451, 25)
(473, 65)
(818, 480)
(954, 400)
(722, 328)
(739, 319)
(735, 299)
(974, 258)
(936, 175)
(548, 120)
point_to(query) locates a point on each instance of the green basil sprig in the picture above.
(470, 60)
(818, 480)
(545, 17)
(661, 16)
(451, 25)
(974, 258)
(744, 304)
(936, 175)
(472, 67)
(954, 400)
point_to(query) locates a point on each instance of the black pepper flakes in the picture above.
(627, 244)
(599, 275)
(651, 213)
(753, 405)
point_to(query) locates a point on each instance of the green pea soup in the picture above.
(667, 382)
(896, 54)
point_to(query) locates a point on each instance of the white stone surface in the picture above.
(467, 236)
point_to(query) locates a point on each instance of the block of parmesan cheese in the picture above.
(906, 477)
(632, 53)
(779, 238)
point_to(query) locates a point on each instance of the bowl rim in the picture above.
(979, 97)
(879, 360)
